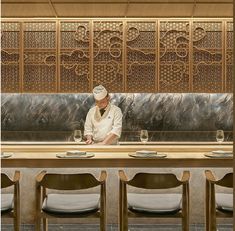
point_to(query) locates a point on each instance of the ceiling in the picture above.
(116, 8)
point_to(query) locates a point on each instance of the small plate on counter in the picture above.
(70, 155)
(146, 152)
(219, 154)
(76, 152)
(6, 154)
(139, 154)
(222, 152)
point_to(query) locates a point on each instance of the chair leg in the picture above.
(103, 221)
(17, 223)
(102, 224)
(207, 204)
(45, 224)
(38, 224)
(185, 223)
(120, 208)
(125, 223)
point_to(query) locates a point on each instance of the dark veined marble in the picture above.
(167, 117)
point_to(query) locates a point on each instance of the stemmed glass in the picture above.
(220, 136)
(144, 136)
(77, 135)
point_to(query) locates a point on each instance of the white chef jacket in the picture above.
(112, 123)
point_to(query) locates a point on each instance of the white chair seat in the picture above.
(71, 203)
(7, 202)
(154, 203)
(224, 202)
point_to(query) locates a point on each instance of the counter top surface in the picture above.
(43, 155)
(116, 159)
(134, 146)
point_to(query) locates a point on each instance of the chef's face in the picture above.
(102, 103)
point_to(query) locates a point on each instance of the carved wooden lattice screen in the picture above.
(10, 56)
(141, 56)
(108, 55)
(39, 57)
(125, 55)
(75, 57)
(229, 58)
(208, 56)
(174, 56)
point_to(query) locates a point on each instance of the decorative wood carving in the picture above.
(174, 39)
(125, 55)
(39, 59)
(141, 56)
(10, 56)
(208, 56)
(229, 57)
(75, 58)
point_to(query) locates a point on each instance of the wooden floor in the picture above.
(80, 227)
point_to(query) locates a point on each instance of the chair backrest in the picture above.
(226, 181)
(154, 181)
(6, 181)
(69, 181)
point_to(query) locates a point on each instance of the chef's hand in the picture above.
(89, 140)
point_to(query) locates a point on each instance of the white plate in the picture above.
(222, 152)
(75, 152)
(146, 152)
(64, 155)
(218, 155)
(5, 155)
(139, 155)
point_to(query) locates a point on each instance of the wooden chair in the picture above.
(69, 205)
(135, 205)
(217, 204)
(10, 202)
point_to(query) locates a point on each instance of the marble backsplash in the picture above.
(167, 117)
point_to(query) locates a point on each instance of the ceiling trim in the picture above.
(53, 8)
(116, 18)
(126, 2)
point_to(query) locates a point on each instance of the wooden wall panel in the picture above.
(108, 55)
(141, 56)
(74, 53)
(39, 43)
(174, 56)
(125, 55)
(229, 57)
(208, 56)
(10, 57)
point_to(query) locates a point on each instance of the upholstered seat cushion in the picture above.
(71, 203)
(7, 202)
(154, 203)
(224, 202)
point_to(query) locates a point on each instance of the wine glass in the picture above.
(77, 135)
(144, 136)
(220, 136)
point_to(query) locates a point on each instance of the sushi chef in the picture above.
(103, 123)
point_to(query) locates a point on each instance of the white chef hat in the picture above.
(99, 92)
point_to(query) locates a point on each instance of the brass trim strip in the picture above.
(190, 61)
(120, 3)
(57, 56)
(91, 44)
(124, 55)
(223, 57)
(21, 63)
(158, 55)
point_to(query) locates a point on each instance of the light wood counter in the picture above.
(122, 147)
(109, 156)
